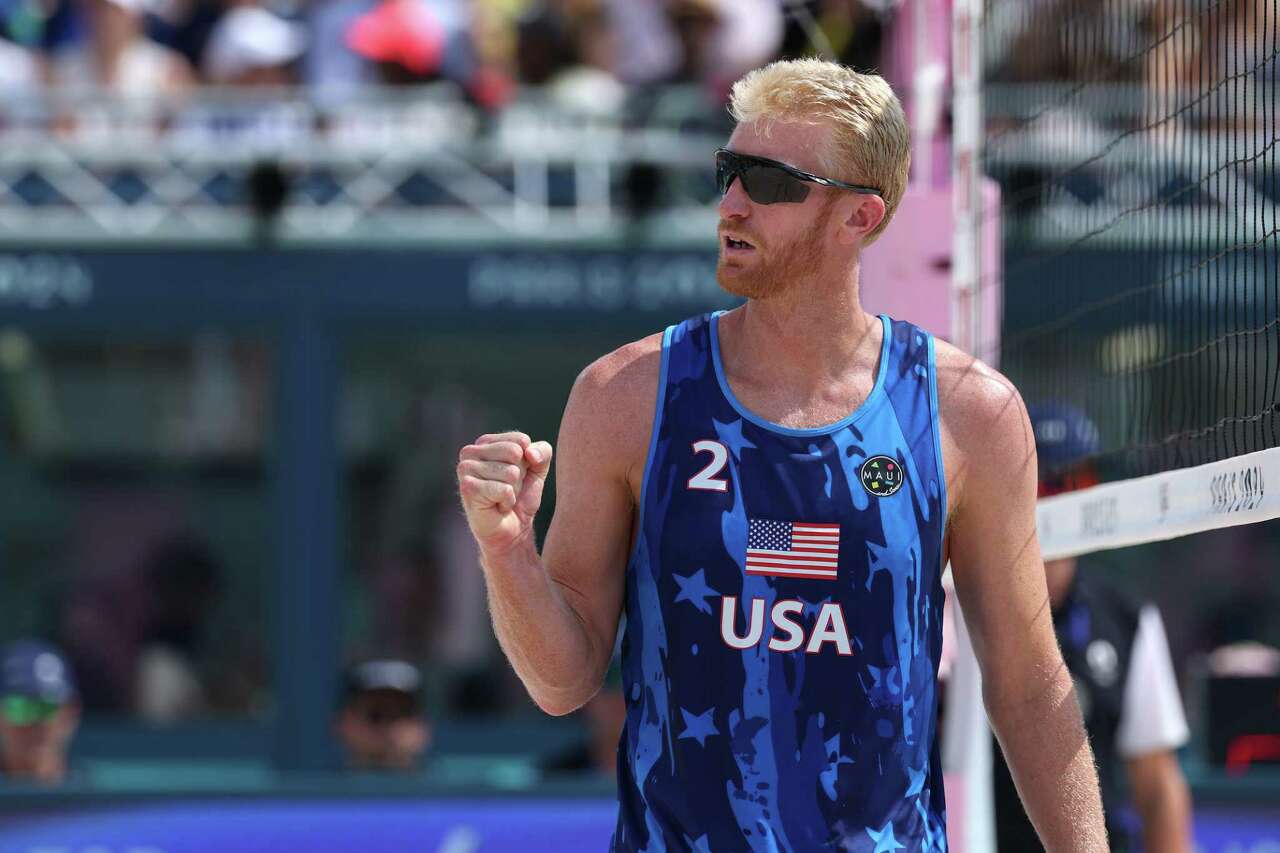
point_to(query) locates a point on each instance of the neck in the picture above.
(815, 332)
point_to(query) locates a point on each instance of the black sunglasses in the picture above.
(769, 181)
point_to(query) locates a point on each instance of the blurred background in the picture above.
(265, 267)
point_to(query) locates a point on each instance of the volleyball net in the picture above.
(1135, 146)
(1132, 149)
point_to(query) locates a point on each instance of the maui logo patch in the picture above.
(881, 476)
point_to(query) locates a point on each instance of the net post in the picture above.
(967, 740)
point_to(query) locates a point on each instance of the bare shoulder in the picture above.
(972, 395)
(982, 417)
(610, 410)
(620, 384)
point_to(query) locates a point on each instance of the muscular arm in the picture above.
(999, 578)
(556, 614)
(1161, 797)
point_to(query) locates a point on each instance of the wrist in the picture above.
(521, 551)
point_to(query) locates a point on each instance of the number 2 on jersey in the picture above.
(706, 478)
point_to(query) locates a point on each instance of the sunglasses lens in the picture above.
(770, 185)
(763, 184)
(725, 170)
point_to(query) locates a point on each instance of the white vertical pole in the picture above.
(966, 147)
(968, 739)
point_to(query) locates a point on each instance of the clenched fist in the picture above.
(500, 478)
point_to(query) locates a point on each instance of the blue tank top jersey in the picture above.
(784, 617)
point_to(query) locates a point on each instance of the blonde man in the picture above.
(769, 495)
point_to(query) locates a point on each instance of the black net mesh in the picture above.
(1135, 144)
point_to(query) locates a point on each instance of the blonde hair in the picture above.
(871, 142)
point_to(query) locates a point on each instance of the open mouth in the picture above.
(734, 243)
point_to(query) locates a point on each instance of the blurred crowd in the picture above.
(1161, 43)
(588, 51)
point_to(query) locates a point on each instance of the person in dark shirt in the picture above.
(1119, 659)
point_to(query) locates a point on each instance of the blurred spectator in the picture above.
(19, 71)
(403, 38)
(182, 582)
(39, 712)
(185, 25)
(1239, 40)
(1119, 660)
(710, 42)
(1072, 40)
(570, 48)
(380, 719)
(118, 56)
(397, 42)
(250, 46)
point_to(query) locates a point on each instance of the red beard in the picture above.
(775, 271)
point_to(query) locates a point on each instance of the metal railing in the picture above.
(383, 165)
(413, 165)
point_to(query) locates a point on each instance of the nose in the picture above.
(734, 204)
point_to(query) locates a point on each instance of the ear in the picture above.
(864, 216)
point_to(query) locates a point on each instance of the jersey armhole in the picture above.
(937, 447)
(653, 441)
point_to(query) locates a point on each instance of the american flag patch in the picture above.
(793, 549)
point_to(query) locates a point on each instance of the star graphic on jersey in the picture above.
(917, 782)
(929, 838)
(885, 842)
(699, 727)
(828, 777)
(697, 845)
(883, 677)
(694, 589)
(732, 438)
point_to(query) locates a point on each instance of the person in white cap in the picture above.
(250, 46)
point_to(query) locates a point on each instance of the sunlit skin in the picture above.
(791, 244)
(38, 752)
(801, 275)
